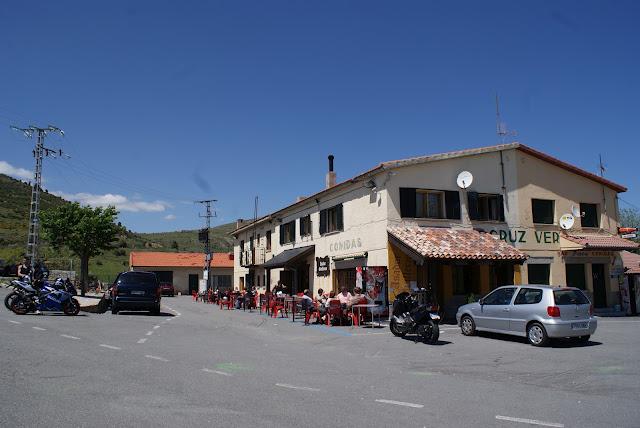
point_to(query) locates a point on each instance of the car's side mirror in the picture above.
(481, 301)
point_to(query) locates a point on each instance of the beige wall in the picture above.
(181, 275)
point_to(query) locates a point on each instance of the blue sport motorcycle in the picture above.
(48, 298)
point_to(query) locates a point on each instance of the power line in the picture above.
(629, 203)
(39, 152)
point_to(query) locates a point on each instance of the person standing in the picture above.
(24, 269)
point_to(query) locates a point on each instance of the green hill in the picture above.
(15, 198)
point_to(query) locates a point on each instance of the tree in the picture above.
(86, 231)
(630, 217)
(175, 246)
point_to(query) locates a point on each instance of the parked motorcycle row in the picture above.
(44, 297)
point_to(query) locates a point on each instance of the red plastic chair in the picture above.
(334, 309)
(313, 311)
(279, 306)
(194, 296)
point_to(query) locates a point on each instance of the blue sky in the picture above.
(167, 102)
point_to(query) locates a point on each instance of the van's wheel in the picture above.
(537, 335)
(467, 326)
(114, 310)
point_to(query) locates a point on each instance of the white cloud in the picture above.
(10, 170)
(170, 217)
(122, 203)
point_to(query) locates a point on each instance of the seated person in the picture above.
(358, 297)
(345, 297)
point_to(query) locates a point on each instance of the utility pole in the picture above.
(39, 153)
(203, 237)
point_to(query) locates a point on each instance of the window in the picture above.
(501, 296)
(539, 273)
(528, 296)
(305, 226)
(590, 215)
(425, 203)
(288, 232)
(485, 207)
(268, 236)
(569, 297)
(331, 220)
(576, 275)
(542, 210)
(251, 243)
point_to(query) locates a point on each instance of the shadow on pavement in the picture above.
(553, 343)
(146, 313)
(418, 339)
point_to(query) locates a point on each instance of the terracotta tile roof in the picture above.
(451, 243)
(159, 259)
(608, 242)
(631, 262)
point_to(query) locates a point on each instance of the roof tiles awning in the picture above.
(602, 242)
(288, 257)
(449, 243)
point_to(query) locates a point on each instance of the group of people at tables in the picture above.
(311, 305)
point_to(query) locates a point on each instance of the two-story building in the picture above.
(521, 217)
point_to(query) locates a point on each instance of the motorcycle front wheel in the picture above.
(431, 332)
(9, 299)
(396, 329)
(71, 307)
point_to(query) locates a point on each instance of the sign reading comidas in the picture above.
(322, 266)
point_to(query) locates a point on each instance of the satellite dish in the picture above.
(464, 180)
(575, 211)
(567, 221)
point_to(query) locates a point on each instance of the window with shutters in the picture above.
(427, 203)
(268, 238)
(288, 232)
(331, 220)
(305, 225)
(485, 206)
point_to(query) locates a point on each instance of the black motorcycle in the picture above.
(410, 316)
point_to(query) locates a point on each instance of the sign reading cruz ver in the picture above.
(520, 236)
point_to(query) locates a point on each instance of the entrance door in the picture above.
(193, 283)
(599, 286)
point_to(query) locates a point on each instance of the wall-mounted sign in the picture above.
(347, 244)
(322, 266)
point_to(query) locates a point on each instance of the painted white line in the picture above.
(39, 328)
(168, 319)
(401, 403)
(529, 421)
(156, 326)
(300, 388)
(149, 333)
(216, 372)
(70, 337)
(14, 322)
(142, 340)
(178, 314)
(153, 357)
(110, 347)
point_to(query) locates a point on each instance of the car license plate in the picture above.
(579, 325)
(137, 293)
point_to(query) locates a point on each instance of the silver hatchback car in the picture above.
(537, 312)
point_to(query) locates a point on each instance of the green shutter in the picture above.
(281, 228)
(323, 222)
(472, 206)
(501, 207)
(407, 202)
(339, 217)
(452, 204)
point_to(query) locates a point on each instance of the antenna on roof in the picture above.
(601, 167)
(501, 127)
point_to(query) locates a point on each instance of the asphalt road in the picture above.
(197, 365)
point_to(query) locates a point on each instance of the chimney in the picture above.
(239, 223)
(330, 179)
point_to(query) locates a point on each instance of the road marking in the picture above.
(149, 333)
(14, 322)
(142, 340)
(529, 421)
(301, 388)
(110, 347)
(156, 326)
(401, 403)
(216, 372)
(70, 337)
(153, 357)
(39, 328)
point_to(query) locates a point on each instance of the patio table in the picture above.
(368, 305)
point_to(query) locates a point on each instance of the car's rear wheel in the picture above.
(537, 335)
(467, 326)
(114, 310)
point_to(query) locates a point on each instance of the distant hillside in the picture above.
(15, 198)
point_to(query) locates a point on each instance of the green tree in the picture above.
(86, 231)
(630, 217)
(175, 246)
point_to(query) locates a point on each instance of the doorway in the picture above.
(599, 286)
(193, 283)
